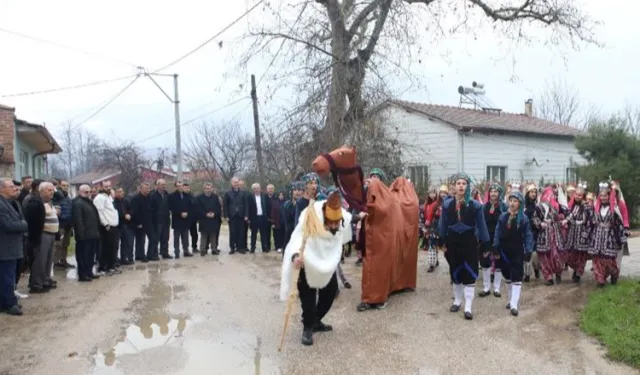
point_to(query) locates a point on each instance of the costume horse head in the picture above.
(347, 174)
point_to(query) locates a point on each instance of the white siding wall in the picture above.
(437, 145)
(425, 143)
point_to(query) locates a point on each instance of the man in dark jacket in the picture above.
(210, 218)
(142, 219)
(161, 216)
(236, 212)
(259, 211)
(86, 226)
(126, 227)
(25, 188)
(43, 226)
(193, 215)
(180, 205)
(62, 246)
(247, 197)
(12, 227)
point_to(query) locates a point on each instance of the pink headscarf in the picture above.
(613, 202)
(548, 196)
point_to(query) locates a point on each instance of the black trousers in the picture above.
(149, 235)
(85, 252)
(511, 263)
(245, 235)
(278, 237)
(260, 224)
(162, 238)
(236, 230)
(312, 311)
(193, 230)
(462, 250)
(110, 239)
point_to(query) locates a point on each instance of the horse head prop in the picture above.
(347, 175)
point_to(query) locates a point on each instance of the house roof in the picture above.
(38, 137)
(94, 177)
(6, 107)
(473, 119)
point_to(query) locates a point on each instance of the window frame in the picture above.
(490, 176)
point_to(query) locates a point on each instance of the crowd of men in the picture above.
(39, 218)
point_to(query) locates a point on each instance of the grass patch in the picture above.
(612, 315)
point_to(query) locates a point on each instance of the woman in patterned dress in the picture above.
(578, 237)
(549, 242)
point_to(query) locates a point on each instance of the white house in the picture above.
(438, 141)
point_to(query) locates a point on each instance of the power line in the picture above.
(192, 120)
(94, 114)
(80, 86)
(210, 39)
(41, 40)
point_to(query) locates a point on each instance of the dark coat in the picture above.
(205, 205)
(65, 209)
(12, 228)
(161, 215)
(34, 213)
(141, 213)
(179, 203)
(289, 213)
(266, 206)
(123, 206)
(235, 204)
(86, 221)
(274, 215)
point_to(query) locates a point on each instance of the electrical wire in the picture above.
(192, 120)
(41, 40)
(210, 39)
(105, 105)
(80, 86)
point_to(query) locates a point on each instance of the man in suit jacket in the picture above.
(236, 211)
(180, 205)
(259, 211)
(161, 217)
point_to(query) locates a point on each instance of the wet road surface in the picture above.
(221, 315)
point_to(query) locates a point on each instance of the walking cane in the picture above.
(311, 228)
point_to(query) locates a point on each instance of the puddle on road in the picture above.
(165, 345)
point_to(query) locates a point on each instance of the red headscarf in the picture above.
(548, 196)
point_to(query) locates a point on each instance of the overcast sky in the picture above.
(153, 33)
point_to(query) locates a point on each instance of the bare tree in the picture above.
(219, 149)
(336, 53)
(559, 103)
(125, 158)
(78, 146)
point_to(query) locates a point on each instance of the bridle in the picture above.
(336, 172)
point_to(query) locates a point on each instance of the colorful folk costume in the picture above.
(433, 210)
(512, 246)
(461, 228)
(607, 235)
(549, 241)
(493, 209)
(579, 235)
(317, 283)
(530, 207)
(625, 219)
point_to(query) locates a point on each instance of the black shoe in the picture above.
(537, 273)
(575, 278)
(232, 252)
(431, 269)
(549, 282)
(614, 280)
(14, 310)
(144, 260)
(203, 253)
(51, 286)
(126, 262)
(497, 294)
(154, 259)
(454, 308)
(514, 312)
(215, 252)
(266, 251)
(59, 265)
(363, 306)
(321, 327)
(188, 254)
(38, 290)
(139, 259)
(95, 277)
(558, 279)
(177, 256)
(527, 279)
(242, 251)
(484, 293)
(348, 285)
(166, 256)
(252, 251)
(84, 279)
(468, 315)
(307, 337)
(508, 307)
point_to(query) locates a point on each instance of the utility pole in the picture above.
(256, 125)
(176, 109)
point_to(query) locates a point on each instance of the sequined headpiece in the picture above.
(310, 177)
(463, 176)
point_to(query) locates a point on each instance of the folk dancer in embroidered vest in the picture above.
(494, 207)
(549, 241)
(317, 283)
(607, 235)
(578, 237)
(530, 206)
(461, 228)
(432, 212)
(512, 246)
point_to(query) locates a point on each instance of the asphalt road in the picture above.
(221, 315)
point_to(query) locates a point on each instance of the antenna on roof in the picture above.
(474, 95)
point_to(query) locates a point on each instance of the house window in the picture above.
(419, 175)
(571, 175)
(24, 163)
(496, 174)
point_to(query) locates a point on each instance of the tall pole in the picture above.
(256, 125)
(176, 108)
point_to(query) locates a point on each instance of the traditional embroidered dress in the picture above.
(321, 257)
(530, 207)
(579, 234)
(513, 244)
(461, 227)
(607, 236)
(433, 212)
(549, 241)
(622, 205)
(492, 211)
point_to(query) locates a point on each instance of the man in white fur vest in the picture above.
(315, 249)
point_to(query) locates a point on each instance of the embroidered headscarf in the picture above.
(494, 186)
(549, 197)
(378, 172)
(311, 177)
(581, 188)
(605, 186)
(463, 176)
